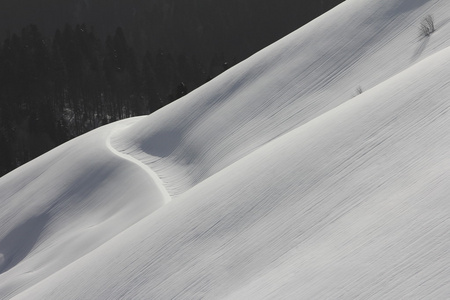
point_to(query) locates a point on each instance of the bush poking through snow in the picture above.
(427, 26)
(359, 90)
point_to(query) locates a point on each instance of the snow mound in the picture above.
(359, 44)
(66, 203)
(316, 169)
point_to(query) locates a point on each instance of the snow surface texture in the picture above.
(276, 180)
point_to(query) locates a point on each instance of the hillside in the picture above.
(315, 169)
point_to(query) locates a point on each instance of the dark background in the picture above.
(203, 27)
(67, 67)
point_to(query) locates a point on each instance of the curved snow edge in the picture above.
(154, 177)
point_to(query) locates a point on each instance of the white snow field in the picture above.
(276, 180)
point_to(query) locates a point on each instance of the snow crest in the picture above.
(316, 169)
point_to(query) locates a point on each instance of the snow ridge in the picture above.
(153, 176)
(284, 183)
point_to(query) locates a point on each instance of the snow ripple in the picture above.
(153, 176)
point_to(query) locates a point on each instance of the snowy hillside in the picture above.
(316, 169)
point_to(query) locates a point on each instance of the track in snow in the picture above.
(154, 177)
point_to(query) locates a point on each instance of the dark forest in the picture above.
(56, 87)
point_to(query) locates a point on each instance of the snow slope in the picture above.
(65, 204)
(273, 181)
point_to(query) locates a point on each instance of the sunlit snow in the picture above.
(319, 168)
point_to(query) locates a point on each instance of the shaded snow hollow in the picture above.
(278, 179)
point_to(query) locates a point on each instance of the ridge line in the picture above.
(158, 182)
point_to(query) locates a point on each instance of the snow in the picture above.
(65, 204)
(154, 179)
(276, 180)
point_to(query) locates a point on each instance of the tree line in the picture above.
(54, 89)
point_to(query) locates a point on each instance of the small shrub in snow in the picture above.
(427, 26)
(359, 90)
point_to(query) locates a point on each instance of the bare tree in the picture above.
(359, 90)
(426, 27)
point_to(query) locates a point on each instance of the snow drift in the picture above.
(279, 179)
